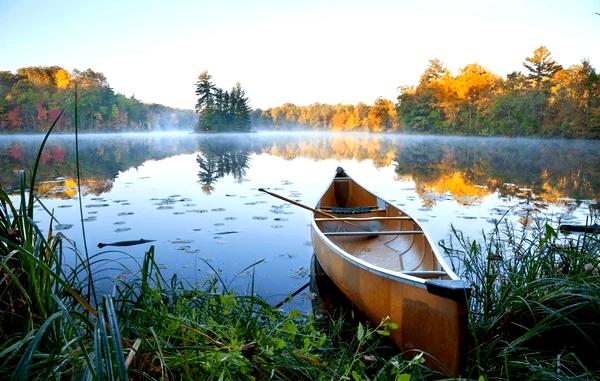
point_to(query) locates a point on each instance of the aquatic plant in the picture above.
(535, 305)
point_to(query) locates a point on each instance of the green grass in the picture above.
(535, 305)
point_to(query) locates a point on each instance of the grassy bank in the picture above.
(535, 306)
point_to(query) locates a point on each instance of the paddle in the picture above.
(306, 207)
(297, 203)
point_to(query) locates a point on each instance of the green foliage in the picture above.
(220, 110)
(535, 305)
(515, 114)
(418, 113)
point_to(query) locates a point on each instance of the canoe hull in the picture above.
(426, 322)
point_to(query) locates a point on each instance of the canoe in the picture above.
(385, 264)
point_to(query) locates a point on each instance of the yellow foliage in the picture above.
(62, 79)
(456, 184)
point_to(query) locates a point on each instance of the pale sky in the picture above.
(303, 51)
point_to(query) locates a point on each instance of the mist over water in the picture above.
(197, 197)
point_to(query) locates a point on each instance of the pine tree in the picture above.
(541, 66)
(205, 92)
(239, 109)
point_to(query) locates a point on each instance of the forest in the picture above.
(543, 100)
(32, 98)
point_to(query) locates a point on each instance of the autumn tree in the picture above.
(433, 72)
(474, 86)
(382, 116)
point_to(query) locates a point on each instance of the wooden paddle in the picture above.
(329, 215)
(297, 203)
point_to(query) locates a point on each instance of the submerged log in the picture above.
(595, 228)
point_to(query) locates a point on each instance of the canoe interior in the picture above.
(369, 256)
(410, 253)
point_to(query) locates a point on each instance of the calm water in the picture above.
(196, 195)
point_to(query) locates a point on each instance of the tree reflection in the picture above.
(466, 169)
(220, 158)
(470, 169)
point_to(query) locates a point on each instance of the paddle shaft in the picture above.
(297, 203)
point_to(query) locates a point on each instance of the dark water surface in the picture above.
(197, 197)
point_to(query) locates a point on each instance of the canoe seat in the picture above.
(425, 273)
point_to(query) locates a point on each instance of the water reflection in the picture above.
(217, 159)
(472, 168)
(466, 169)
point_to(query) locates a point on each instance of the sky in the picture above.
(304, 51)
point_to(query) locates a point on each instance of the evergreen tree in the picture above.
(541, 66)
(205, 92)
(239, 108)
(205, 106)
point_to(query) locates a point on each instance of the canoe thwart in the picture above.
(358, 219)
(425, 274)
(451, 289)
(375, 232)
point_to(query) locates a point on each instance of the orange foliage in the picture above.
(62, 79)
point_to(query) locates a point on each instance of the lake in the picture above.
(197, 195)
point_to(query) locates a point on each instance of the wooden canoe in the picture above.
(381, 259)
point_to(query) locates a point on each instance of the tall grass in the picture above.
(535, 306)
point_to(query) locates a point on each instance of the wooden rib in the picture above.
(364, 218)
(376, 232)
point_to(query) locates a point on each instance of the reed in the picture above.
(535, 306)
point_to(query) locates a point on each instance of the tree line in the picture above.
(543, 100)
(32, 98)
